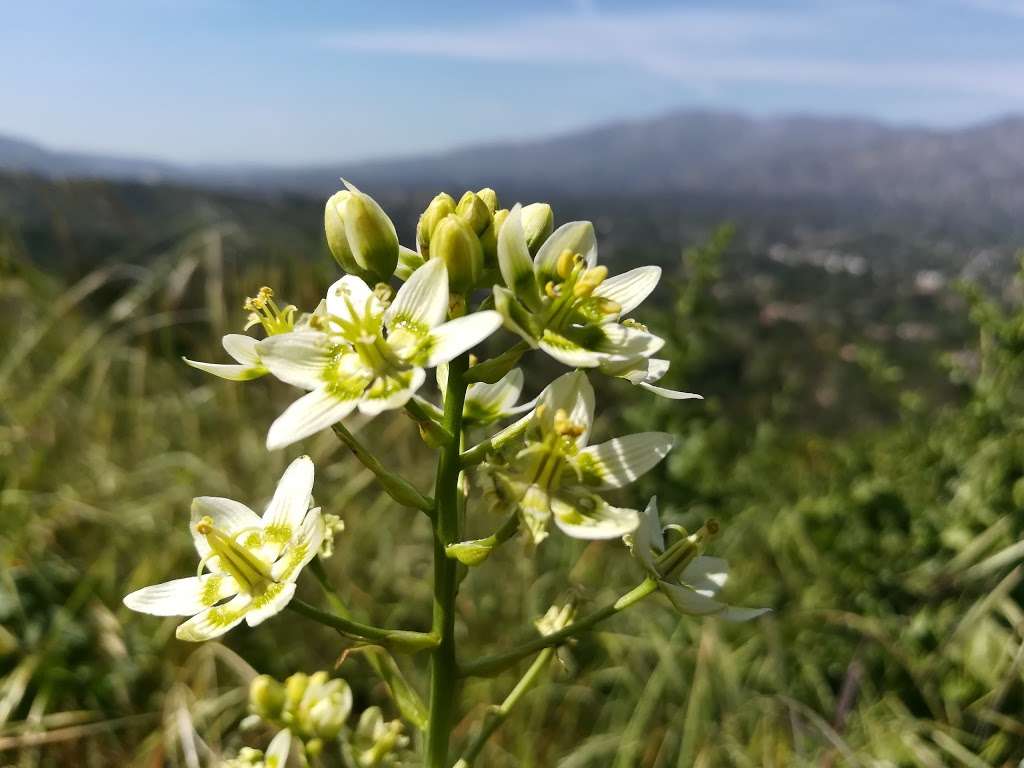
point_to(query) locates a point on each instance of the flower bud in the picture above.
(442, 205)
(489, 239)
(490, 198)
(266, 697)
(455, 243)
(328, 716)
(538, 223)
(474, 212)
(294, 689)
(360, 235)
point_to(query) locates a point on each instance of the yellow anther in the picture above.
(566, 262)
(589, 280)
(565, 426)
(204, 526)
(608, 306)
(383, 293)
(551, 290)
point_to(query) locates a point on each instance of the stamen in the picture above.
(566, 262)
(249, 571)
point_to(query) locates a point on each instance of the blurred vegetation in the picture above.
(884, 529)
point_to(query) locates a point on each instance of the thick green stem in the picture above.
(492, 665)
(496, 716)
(443, 669)
(398, 488)
(396, 639)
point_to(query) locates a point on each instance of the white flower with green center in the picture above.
(263, 310)
(486, 403)
(690, 579)
(276, 755)
(644, 372)
(557, 475)
(248, 563)
(565, 304)
(369, 355)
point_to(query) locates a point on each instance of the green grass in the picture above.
(889, 554)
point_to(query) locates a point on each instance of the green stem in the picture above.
(496, 716)
(492, 665)
(443, 668)
(401, 640)
(398, 488)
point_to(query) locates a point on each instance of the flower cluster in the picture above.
(366, 348)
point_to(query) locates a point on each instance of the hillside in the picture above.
(970, 178)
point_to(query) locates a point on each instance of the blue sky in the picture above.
(301, 82)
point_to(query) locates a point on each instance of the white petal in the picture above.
(489, 402)
(276, 755)
(569, 352)
(301, 358)
(309, 414)
(647, 541)
(690, 602)
(600, 521)
(514, 260)
(287, 509)
(670, 394)
(441, 377)
(242, 348)
(574, 236)
(622, 460)
(572, 393)
(269, 602)
(182, 597)
(625, 343)
(302, 548)
(351, 299)
(422, 303)
(707, 575)
(230, 516)
(229, 371)
(214, 622)
(630, 288)
(391, 392)
(738, 614)
(456, 336)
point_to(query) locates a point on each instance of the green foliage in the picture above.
(890, 550)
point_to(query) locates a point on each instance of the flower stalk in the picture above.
(443, 667)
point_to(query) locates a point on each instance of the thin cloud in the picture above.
(700, 48)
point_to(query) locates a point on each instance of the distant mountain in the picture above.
(974, 173)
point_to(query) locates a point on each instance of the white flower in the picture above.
(487, 403)
(252, 561)
(264, 311)
(557, 475)
(368, 356)
(565, 304)
(643, 372)
(689, 579)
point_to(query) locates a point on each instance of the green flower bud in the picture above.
(266, 697)
(360, 235)
(538, 224)
(474, 212)
(489, 239)
(328, 716)
(442, 205)
(294, 689)
(490, 198)
(455, 243)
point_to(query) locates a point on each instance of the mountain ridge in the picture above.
(848, 160)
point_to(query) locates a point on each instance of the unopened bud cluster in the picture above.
(311, 706)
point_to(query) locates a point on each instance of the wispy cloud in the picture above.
(703, 48)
